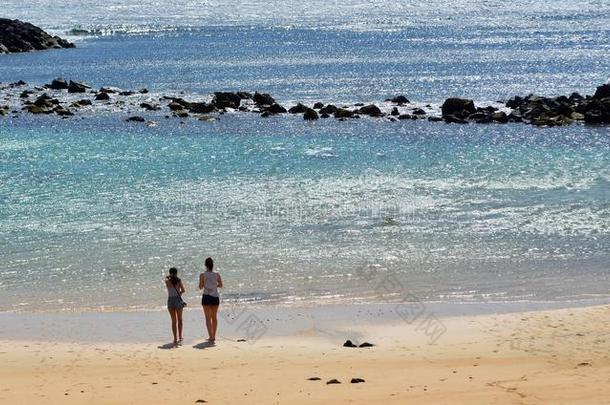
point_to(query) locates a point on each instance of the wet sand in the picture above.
(552, 356)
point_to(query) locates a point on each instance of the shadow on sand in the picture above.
(167, 346)
(204, 345)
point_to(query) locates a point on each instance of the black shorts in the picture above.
(210, 300)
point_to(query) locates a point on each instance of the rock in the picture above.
(419, 111)
(201, 401)
(458, 107)
(310, 114)
(135, 119)
(244, 95)
(577, 116)
(58, 84)
(265, 114)
(515, 102)
(343, 113)
(77, 87)
(298, 109)
(19, 36)
(333, 381)
(370, 110)
(102, 96)
(399, 100)
(109, 90)
(500, 116)
(201, 108)
(318, 105)
(324, 115)
(314, 378)
(366, 344)
(357, 380)
(63, 112)
(329, 109)
(348, 343)
(143, 91)
(127, 93)
(275, 108)
(263, 99)
(435, 119)
(602, 91)
(26, 93)
(150, 107)
(453, 119)
(575, 97)
(45, 101)
(34, 109)
(226, 100)
(181, 114)
(174, 106)
(395, 112)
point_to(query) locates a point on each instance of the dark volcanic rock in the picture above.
(226, 100)
(201, 108)
(371, 110)
(150, 107)
(458, 107)
(77, 87)
(310, 114)
(135, 119)
(343, 113)
(58, 84)
(333, 381)
(452, 119)
(19, 36)
(357, 380)
(399, 100)
(275, 108)
(298, 109)
(329, 109)
(102, 96)
(318, 105)
(602, 91)
(348, 343)
(263, 99)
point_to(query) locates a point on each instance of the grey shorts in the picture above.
(175, 303)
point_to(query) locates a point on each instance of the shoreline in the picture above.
(556, 356)
(145, 326)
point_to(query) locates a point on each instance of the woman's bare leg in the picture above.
(173, 315)
(208, 320)
(214, 318)
(179, 318)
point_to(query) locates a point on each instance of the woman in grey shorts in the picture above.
(175, 304)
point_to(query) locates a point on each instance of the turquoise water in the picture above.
(93, 211)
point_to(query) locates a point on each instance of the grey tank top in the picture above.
(172, 291)
(210, 280)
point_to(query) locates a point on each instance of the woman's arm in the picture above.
(219, 281)
(182, 289)
(201, 282)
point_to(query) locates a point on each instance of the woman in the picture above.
(210, 281)
(175, 304)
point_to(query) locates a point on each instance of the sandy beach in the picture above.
(552, 356)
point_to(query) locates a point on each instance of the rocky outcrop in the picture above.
(19, 36)
(53, 98)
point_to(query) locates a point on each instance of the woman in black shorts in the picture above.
(210, 282)
(175, 304)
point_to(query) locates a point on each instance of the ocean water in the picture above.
(93, 211)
